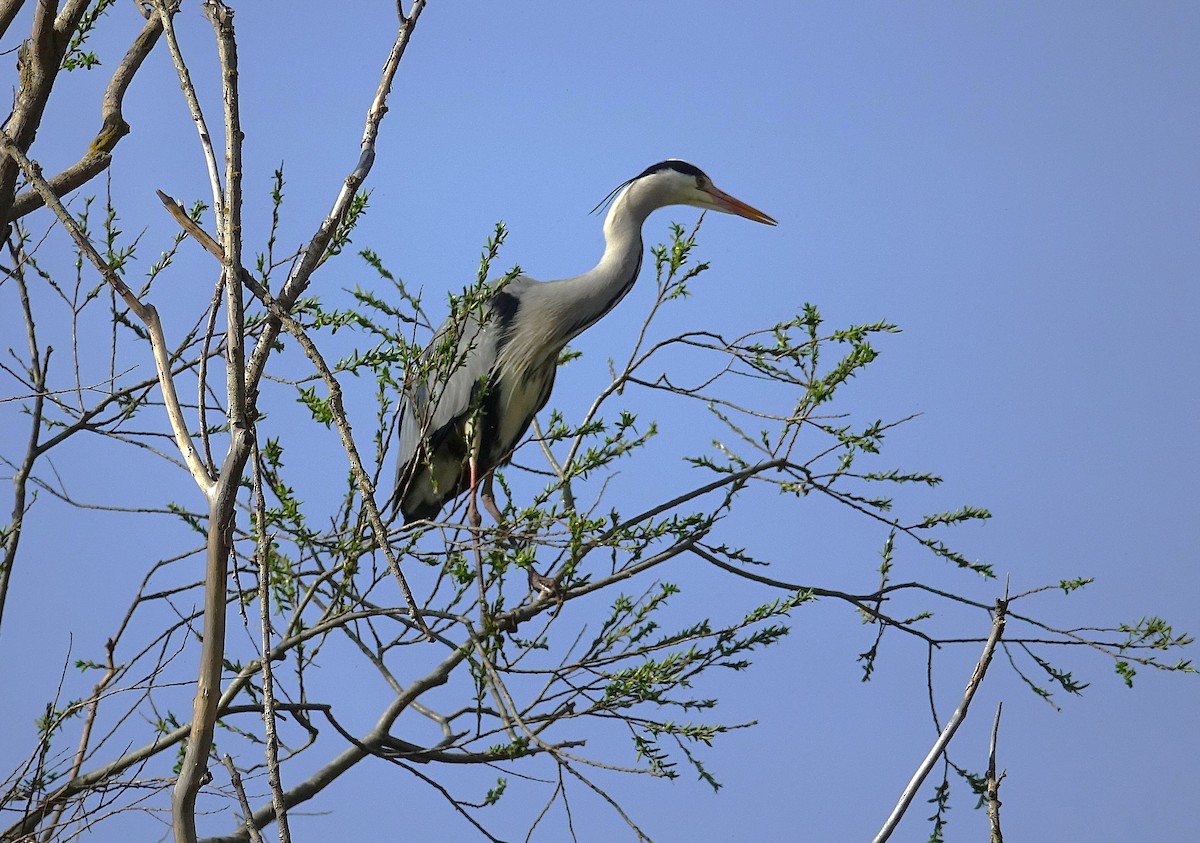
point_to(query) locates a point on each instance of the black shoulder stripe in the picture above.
(504, 307)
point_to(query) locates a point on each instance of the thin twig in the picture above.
(89, 722)
(555, 466)
(20, 479)
(236, 779)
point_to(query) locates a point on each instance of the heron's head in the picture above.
(675, 182)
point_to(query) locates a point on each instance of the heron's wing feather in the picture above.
(454, 363)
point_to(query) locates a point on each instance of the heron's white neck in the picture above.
(555, 312)
(588, 297)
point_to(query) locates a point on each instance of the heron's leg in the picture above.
(489, 499)
(475, 520)
(473, 516)
(473, 443)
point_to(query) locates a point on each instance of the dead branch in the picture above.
(993, 782)
(956, 719)
(262, 552)
(235, 778)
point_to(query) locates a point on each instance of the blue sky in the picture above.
(1016, 186)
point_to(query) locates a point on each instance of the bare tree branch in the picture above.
(350, 756)
(263, 555)
(39, 62)
(336, 405)
(8, 11)
(235, 779)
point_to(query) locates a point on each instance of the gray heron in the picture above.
(455, 430)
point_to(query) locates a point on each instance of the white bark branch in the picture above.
(221, 513)
(166, 14)
(993, 782)
(998, 618)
